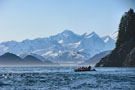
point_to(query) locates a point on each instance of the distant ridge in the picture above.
(95, 59)
(12, 59)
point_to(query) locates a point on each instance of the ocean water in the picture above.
(64, 78)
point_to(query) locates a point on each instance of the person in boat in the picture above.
(84, 68)
(89, 67)
(79, 68)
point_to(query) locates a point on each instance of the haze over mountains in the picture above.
(63, 47)
(96, 58)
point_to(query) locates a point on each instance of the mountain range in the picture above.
(63, 47)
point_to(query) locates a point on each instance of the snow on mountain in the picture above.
(60, 41)
(28, 46)
(92, 44)
(65, 46)
(66, 37)
(106, 38)
(109, 42)
(3, 49)
(22, 56)
(40, 58)
(114, 35)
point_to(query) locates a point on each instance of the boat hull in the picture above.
(76, 70)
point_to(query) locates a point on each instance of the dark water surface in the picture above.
(64, 78)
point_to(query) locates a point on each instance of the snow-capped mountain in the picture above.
(66, 37)
(91, 44)
(65, 46)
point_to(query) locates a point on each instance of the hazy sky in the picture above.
(29, 19)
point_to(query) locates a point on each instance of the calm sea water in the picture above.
(64, 78)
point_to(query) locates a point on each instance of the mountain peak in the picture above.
(107, 39)
(88, 35)
(30, 57)
(67, 31)
(92, 32)
(8, 54)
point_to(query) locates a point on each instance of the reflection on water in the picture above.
(64, 78)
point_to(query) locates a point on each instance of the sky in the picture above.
(29, 19)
